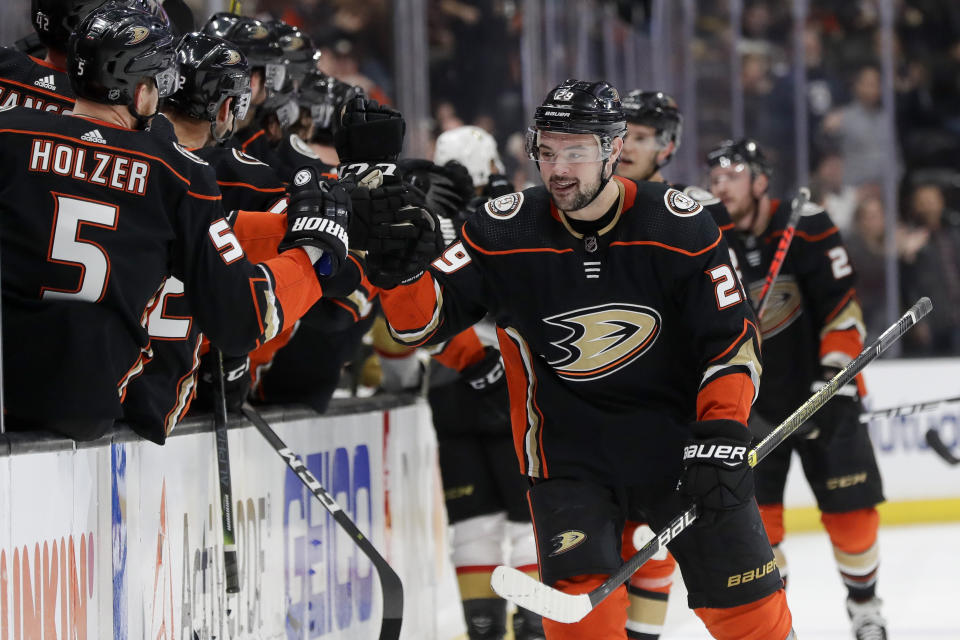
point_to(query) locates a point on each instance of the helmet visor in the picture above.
(241, 104)
(567, 148)
(168, 81)
(273, 76)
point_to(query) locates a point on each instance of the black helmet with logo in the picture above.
(655, 109)
(114, 48)
(577, 106)
(255, 38)
(298, 50)
(744, 151)
(323, 96)
(55, 20)
(211, 71)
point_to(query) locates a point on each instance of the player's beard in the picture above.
(575, 198)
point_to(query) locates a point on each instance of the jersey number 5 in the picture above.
(727, 291)
(66, 247)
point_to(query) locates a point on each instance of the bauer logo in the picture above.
(329, 582)
(302, 177)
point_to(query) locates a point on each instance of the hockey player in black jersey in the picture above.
(812, 327)
(43, 83)
(630, 351)
(97, 214)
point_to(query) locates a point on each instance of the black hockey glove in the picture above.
(715, 469)
(372, 203)
(487, 380)
(401, 248)
(236, 381)
(498, 185)
(318, 215)
(844, 408)
(367, 131)
(442, 196)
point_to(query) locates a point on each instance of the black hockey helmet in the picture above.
(211, 70)
(256, 39)
(323, 96)
(743, 151)
(577, 106)
(55, 20)
(655, 109)
(299, 52)
(117, 46)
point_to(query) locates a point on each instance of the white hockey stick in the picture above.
(524, 591)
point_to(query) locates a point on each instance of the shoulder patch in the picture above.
(680, 204)
(301, 147)
(504, 207)
(701, 195)
(189, 155)
(244, 158)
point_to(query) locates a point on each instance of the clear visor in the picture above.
(321, 114)
(168, 81)
(725, 170)
(567, 148)
(287, 113)
(241, 105)
(274, 75)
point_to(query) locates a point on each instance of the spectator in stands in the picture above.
(860, 131)
(866, 248)
(832, 193)
(934, 271)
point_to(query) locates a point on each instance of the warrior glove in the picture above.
(715, 469)
(318, 217)
(843, 408)
(486, 379)
(368, 132)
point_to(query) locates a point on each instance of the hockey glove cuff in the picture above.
(487, 380)
(318, 215)
(715, 469)
(401, 248)
(843, 408)
(368, 131)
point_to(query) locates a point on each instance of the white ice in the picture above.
(919, 582)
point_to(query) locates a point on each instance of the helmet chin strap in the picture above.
(141, 120)
(226, 136)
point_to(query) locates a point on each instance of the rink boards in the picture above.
(123, 540)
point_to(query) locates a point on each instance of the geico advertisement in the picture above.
(125, 541)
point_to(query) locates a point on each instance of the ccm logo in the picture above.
(482, 383)
(322, 225)
(723, 452)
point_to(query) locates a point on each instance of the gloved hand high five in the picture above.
(372, 200)
(368, 132)
(715, 469)
(318, 217)
(401, 245)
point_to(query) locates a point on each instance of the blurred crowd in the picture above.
(475, 77)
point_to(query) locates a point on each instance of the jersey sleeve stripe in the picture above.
(349, 309)
(461, 351)
(490, 252)
(30, 87)
(245, 185)
(299, 291)
(186, 388)
(727, 398)
(625, 243)
(420, 332)
(526, 419)
(806, 236)
(203, 197)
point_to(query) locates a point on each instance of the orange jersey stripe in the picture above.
(245, 185)
(726, 398)
(624, 243)
(296, 285)
(461, 351)
(509, 251)
(251, 139)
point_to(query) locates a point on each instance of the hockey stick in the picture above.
(941, 449)
(906, 410)
(528, 593)
(391, 589)
(223, 470)
(796, 209)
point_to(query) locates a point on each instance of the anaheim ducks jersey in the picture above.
(612, 341)
(96, 218)
(30, 82)
(294, 154)
(813, 318)
(253, 141)
(245, 182)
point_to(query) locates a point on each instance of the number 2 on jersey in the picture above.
(727, 291)
(66, 247)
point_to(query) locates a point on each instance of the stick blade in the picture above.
(522, 590)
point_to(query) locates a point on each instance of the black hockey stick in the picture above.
(907, 409)
(528, 593)
(940, 448)
(230, 568)
(391, 589)
(796, 210)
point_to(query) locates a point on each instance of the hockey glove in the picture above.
(844, 408)
(715, 469)
(442, 196)
(367, 131)
(401, 248)
(498, 186)
(318, 215)
(236, 381)
(372, 203)
(486, 379)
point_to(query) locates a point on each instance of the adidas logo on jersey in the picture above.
(93, 136)
(46, 82)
